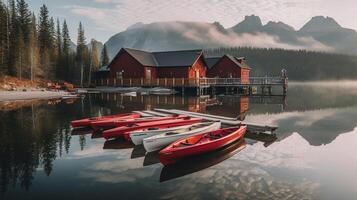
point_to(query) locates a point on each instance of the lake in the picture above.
(312, 156)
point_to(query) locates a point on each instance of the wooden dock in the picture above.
(228, 121)
(266, 83)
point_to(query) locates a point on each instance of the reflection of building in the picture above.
(145, 102)
(235, 106)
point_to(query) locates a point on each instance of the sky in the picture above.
(104, 18)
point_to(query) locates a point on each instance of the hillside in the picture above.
(300, 65)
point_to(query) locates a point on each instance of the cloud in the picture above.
(123, 13)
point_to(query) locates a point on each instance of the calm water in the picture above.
(313, 157)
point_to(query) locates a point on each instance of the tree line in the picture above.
(300, 64)
(39, 47)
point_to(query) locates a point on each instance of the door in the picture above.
(197, 74)
(148, 74)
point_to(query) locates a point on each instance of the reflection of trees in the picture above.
(32, 137)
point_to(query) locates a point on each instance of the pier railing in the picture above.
(195, 82)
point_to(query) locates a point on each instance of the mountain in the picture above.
(250, 24)
(318, 34)
(329, 32)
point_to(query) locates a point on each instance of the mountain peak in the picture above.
(320, 23)
(250, 23)
(279, 25)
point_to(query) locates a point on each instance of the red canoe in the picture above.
(124, 131)
(88, 121)
(113, 123)
(201, 143)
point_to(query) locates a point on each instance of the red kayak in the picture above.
(88, 121)
(113, 123)
(124, 131)
(201, 143)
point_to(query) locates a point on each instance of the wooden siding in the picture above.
(130, 67)
(200, 67)
(226, 68)
(173, 72)
(244, 75)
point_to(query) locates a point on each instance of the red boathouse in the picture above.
(138, 64)
(228, 66)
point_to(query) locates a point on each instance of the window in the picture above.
(119, 75)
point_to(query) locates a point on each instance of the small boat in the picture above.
(124, 131)
(88, 121)
(138, 136)
(200, 143)
(197, 163)
(160, 141)
(113, 123)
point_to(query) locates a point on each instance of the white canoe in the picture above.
(137, 137)
(160, 141)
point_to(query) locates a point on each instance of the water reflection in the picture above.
(316, 128)
(31, 136)
(198, 163)
(118, 144)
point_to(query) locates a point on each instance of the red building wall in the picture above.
(200, 67)
(226, 68)
(184, 72)
(172, 72)
(130, 66)
(244, 75)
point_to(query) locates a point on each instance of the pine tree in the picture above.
(82, 53)
(24, 23)
(45, 40)
(13, 37)
(66, 51)
(4, 34)
(24, 19)
(59, 67)
(104, 56)
(21, 55)
(94, 61)
(35, 70)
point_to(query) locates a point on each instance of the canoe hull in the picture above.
(88, 121)
(125, 131)
(137, 137)
(170, 155)
(160, 141)
(109, 124)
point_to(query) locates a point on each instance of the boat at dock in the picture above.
(200, 143)
(138, 136)
(113, 123)
(124, 131)
(160, 141)
(88, 121)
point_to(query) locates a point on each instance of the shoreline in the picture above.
(30, 95)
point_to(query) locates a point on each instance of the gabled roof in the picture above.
(177, 58)
(184, 58)
(211, 61)
(144, 57)
(239, 61)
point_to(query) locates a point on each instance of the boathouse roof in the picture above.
(165, 58)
